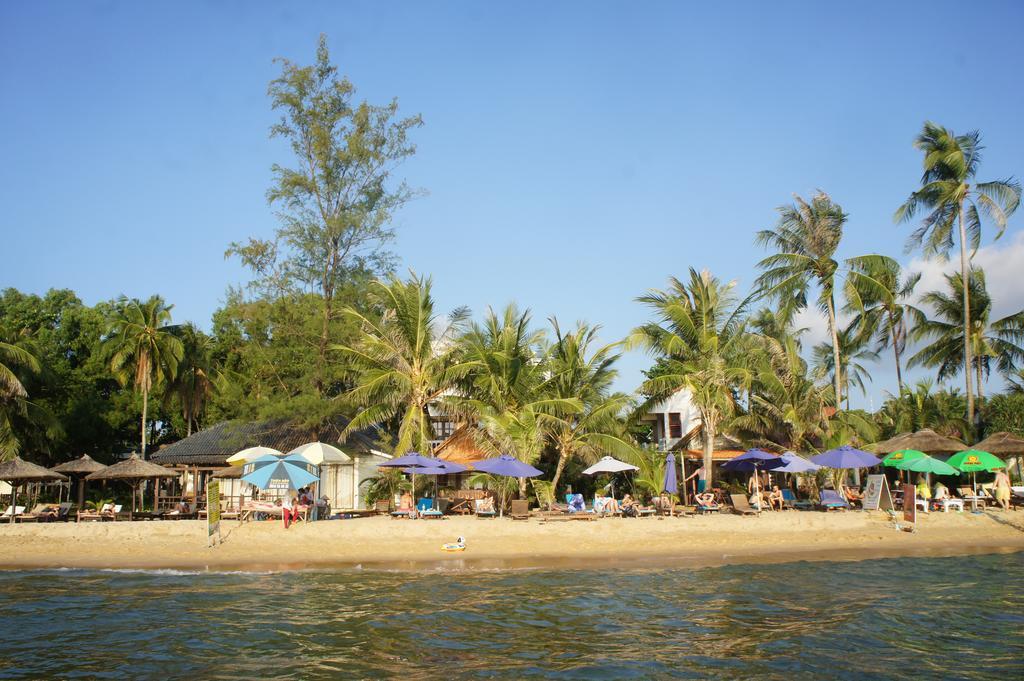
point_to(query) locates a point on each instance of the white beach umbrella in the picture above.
(319, 453)
(609, 465)
(251, 453)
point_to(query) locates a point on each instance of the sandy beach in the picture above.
(404, 544)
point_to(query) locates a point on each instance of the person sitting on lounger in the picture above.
(485, 505)
(852, 495)
(775, 498)
(628, 506)
(941, 491)
(923, 491)
(183, 508)
(405, 502)
(706, 500)
(757, 500)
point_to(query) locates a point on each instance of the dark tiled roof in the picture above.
(212, 446)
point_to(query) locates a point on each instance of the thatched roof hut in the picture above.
(83, 465)
(461, 447)
(1002, 444)
(132, 468)
(17, 471)
(926, 440)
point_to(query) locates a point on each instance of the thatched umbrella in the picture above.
(17, 471)
(78, 469)
(926, 440)
(1004, 444)
(133, 469)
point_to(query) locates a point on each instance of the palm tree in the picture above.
(853, 351)
(700, 342)
(144, 350)
(878, 294)
(921, 407)
(1000, 340)
(198, 376)
(404, 360)
(19, 361)
(949, 195)
(578, 372)
(805, 239)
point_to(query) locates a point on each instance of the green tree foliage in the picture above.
(923, 407)
(949, 195)
(700, 337)
(853, 352)
(404, 360)
(336, 201)
(999, 342)
(197, 379)
(1004, 413)
(144, 351)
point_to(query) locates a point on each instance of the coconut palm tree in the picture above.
(700, 342)
(853, 351)
(143, 348)
(578, 370)
(198, 377)
(19, 361)
(921, 407)
(949, 195)
(404, 359)
(1000, 341)
(805, 240)
(878, 295)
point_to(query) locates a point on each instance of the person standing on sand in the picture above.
(1002, 485)
(287, 504)
(702, 480)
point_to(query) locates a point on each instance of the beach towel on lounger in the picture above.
(831, 499)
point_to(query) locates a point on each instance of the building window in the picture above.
(443, 429)
(675, 425)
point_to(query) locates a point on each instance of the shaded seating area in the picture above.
(16, 472)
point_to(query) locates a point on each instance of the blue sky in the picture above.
(575, 154)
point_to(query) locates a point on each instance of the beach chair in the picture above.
(519, 509)
(40, 513)
(967, 494)
(789, 500)
(95, 515)
(830, 500)
(382, 506)
(484, 508)
(702, 509)
(741, 505)
(17, 511)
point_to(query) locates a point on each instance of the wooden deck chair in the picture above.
(741, 505)
(519, 509)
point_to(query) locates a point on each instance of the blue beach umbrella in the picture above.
(279, 472)
(755, 460)
(507, 465)
(795, 464)
(410, 460)
(846, 457)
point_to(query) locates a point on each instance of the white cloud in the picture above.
(1003, 262)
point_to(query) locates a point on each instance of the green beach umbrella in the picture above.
(974, 460)
(901, 457)
(927, 464)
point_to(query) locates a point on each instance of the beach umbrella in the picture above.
(927, 464)
(898, 458)
(609, 464)
(251, 454)
(754, 460)
(279, 473)
(507, 465)
(795, 464)
(974, 460)
(78, 469)
(925, 440)
(16, 471)
(133, 469)
(319, 453)
(1004, 444)
(846, 457)
(411, 460)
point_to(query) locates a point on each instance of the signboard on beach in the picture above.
(909, 504)
(876, 494)
(213, 512)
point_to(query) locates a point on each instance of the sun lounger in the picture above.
(485, 508)
(519, 509)
(967, 494)
(741, 505)
(945, 504)
(40, 513)
(713, 507)
(789, 500)
(17, 511)
(830, 500)
(101, 514)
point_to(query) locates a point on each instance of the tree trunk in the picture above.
(145, 407)
(709, 449)
(896, 352)
(964, 267)
(836, 375)
(562, 458)
(980, 390)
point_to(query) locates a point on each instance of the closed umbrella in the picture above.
(671, 482)
(16, 471)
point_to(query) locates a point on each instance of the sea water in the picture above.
(894, 618)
